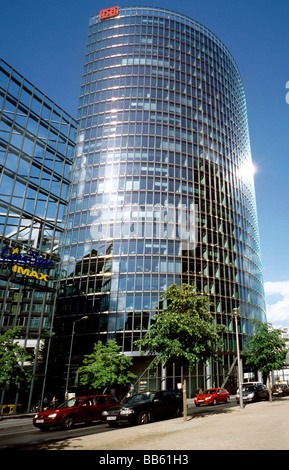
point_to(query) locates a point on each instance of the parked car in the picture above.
(212, 396)
(250, 383)
(75, 410)
(253, 393)
(280, 390)
(142, 408)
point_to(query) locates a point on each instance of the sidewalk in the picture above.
(258, 426)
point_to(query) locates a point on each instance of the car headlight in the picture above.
(104, 413)
(53, 415)
(208, 398)
(126, 411)
(250, 395)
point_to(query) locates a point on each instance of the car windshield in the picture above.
(249, 388)
(71, 402)
(140, 398)
(209, 392)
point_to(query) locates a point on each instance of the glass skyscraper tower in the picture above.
(162, 189)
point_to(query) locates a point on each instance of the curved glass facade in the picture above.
(162, 189)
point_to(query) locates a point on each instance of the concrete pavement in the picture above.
(258, 426)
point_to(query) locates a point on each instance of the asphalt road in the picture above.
(19, 433)
(258, 426)
(262, 426)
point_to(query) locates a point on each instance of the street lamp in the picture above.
(70, 352)
(235, 315)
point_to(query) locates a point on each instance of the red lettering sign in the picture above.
(109, 13)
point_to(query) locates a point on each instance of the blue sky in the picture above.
(45, 41)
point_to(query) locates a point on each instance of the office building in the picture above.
(162, 145)
(36, 142)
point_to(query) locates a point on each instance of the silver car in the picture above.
(253, 393)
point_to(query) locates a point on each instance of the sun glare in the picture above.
(248, 171)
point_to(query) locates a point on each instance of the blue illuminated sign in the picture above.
(12, 255)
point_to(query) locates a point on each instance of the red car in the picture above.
(75, 410)
(280, 390)
(212, 396)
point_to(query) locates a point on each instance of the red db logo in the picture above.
(109, 13)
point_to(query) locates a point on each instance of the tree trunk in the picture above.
(185, 408)
(269, 386)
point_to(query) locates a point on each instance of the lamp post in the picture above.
(235, 315)
(70, 352)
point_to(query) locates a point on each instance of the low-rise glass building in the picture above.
(36, 142)
(162, 188)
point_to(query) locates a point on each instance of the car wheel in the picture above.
(228, 400)
(214, 401)
(68, 422)
(143, 418)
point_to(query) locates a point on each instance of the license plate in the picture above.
(201, 401)
(39, 421)
(111, 418)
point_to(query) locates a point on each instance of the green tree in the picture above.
(265, 350)
(12, 357)
(184, 332)
(106, 366)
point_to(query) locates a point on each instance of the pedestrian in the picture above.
(54, 402)
(45, 404)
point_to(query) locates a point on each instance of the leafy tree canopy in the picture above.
(265, 350)
(184, 331)
(106, 366)
(12, 356)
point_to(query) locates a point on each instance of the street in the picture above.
(20, 434)
(261, 426)
(258, 426)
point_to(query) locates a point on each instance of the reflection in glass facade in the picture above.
(162, 189)
(36, 142)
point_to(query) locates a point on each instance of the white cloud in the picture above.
(277, 303)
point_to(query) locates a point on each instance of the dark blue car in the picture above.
(145, 407)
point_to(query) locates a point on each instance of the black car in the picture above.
(253, 393)
(145, 407)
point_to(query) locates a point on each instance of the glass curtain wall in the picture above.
(36, 142)
(162, 185)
